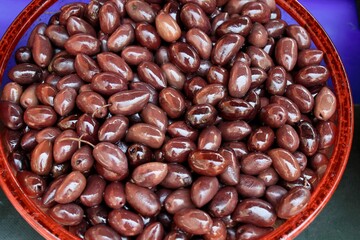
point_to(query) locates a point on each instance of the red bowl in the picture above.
(17, 34)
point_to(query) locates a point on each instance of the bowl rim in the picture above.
(49, 229)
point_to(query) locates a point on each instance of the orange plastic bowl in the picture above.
(40, 10)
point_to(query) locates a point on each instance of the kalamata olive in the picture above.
(250, 231)
(154, 115)
(68, 122)
(151, 73)
(172, 102)
(225, 48)
(147, 36)
(300, 35)
(209, 139)
(178, 149)
(194, 17)
(92, 103)
(28, 140)
(301, 97)
(269, 176)
(23, 55)
(193, 221)
(261, 139)
(123, 36)
(273, 115)
(250, 186)
(254, 163)
(287, 138)
(309, 138)
(234, 130)
(48, 199)
(231, 175)
(12, 92)
(125, 222)
(274, 194)
(67, 214)
(285, 164)
(32, 184)
(200, 41)
(37, 117)
(177, 200)
(309, 57)
(28, 97)
(64, 101)
(140, 11)
(255, 211)
(128, 102)
(326, 131)
(87, 127)
(25, 73)
(217, 231)
(138, 154)
(135, 55)
(111, 157)
(86, 67)
(42, 158)
(97, 215)
(62, 65)
(42, 51)
(201, 115)
(149, 174)
(286, 53)
(71, 9)
(207, 163)
(239, 25)
(71, 188)
(167, 27)
(136, 195)
(293, 112)
(82, 43)
(293, 202)
(108, 83)
(239, 80)
(203, 190)
(114, 195)
(257, 11)
(178, 176)
(276, 81)
(259, 58)
(181, 129)
(65, 146)
(234, 109)
(101, 232)
(184, 57)
(82, 160)
(174, 77)
(11, 115)
(146, 134)
(76, 25)
(325, 104)
(109, 18)
(113, 129)
(153, 231)
(93, 192)
(70, 81)
(258, 36)
(110, 62)
(224, 202)
(218, 75)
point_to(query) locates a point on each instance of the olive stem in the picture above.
(96, 111)
(79, 140)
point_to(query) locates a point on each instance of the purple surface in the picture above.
(339, 19)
